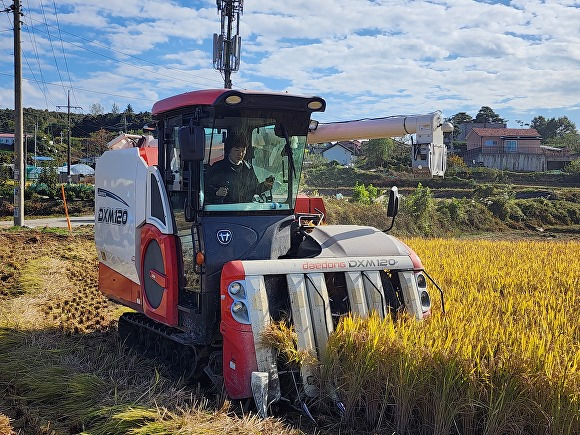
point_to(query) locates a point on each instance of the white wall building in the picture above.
(339, 153)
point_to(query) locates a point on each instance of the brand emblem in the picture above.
(224, 237)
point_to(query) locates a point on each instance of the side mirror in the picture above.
(192, 143)
(393, 206)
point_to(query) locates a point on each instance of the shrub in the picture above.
(573, 168)
(355, 213)
(315, 160)
(455, 164)
(420, 205)
(79, 191)
(41, 189)
(365, 195)
(4, 174)
(48, 177)
(452, 209)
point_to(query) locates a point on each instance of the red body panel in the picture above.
(239, 353)
(149, 154)
(204, 97)
(166, 312)
(307, 205)
(417, 264)
(119, 288)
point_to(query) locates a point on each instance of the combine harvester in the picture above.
(207, 277)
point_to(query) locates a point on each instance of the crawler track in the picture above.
(172, 347)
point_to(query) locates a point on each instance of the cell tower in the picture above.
(227, 45)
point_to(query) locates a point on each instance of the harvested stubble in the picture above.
(62, 368)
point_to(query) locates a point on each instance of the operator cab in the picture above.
(193, 131)
(273, 126)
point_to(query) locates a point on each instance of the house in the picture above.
(354, 145)
(466, 127)
(339, 153)
(7, 141)
(512, 149)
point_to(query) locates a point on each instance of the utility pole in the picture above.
(18, 120)
(68, 106)
(227, 47)
(35, 134)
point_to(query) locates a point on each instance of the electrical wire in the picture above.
(136, 66)
(63, 53)
(52, 48)
(93, 42)
(44, 90)
(92, 90)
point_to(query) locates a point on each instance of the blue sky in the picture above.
(366, 58)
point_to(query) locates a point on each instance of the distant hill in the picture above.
(52, 124)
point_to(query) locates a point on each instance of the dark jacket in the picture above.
(240, 180)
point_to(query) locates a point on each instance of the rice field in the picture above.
(504, 359)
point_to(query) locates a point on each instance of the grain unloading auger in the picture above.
(206, 277)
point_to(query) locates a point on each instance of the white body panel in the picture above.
(120, 187)
(310, 303)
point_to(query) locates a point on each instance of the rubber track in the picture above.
(167, 345)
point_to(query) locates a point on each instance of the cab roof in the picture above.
(211, 96)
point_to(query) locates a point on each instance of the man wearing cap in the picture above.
(232, 179)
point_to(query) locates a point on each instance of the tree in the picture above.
(570, 141)
(378, 151)
(97, 109)
(114, 109)
(573, 167)
(487, 115)
(553, 128)
(458, 119)
(129, 109)
(98, 141)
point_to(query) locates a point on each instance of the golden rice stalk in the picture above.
(504, 359)
(282, 337)
(5, 427)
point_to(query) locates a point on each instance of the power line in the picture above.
(35, 48)
(52, 47)
(91, 90)
(93, 42)
(63, 51)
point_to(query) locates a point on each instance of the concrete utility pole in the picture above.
(68, 106)
(35, 133)
(18, 122)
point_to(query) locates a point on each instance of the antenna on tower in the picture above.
(227, 45)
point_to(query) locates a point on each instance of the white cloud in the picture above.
(367, 58)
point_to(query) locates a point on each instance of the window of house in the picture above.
(511, 145)
(490, 143)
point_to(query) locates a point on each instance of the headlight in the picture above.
(425, 299)
(238, 307)
(421, 281)
(232, 100)
(235, 288)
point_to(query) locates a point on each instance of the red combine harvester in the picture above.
(207, 274)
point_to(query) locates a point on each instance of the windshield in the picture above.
(253, 161)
